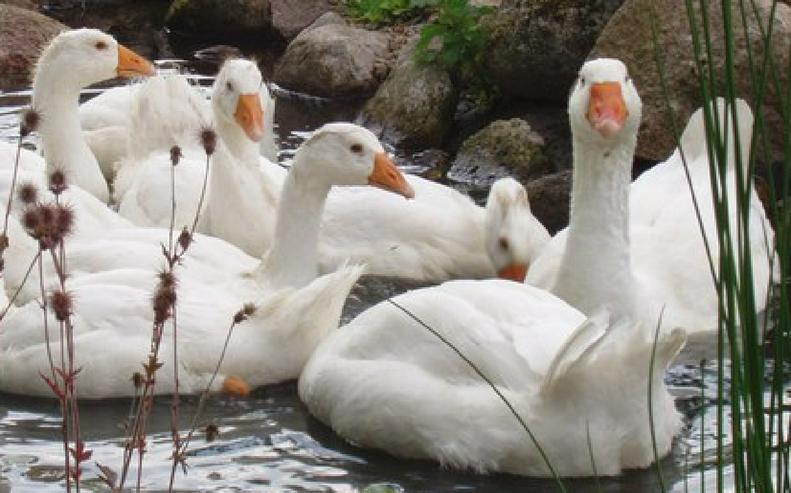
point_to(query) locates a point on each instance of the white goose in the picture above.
(295, 309)
(242, 184)
(384, 381)
(439, 235)
(73, 60)
(638, 248)
(107, 125)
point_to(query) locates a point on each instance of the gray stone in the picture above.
(625, 38)
(414, 106)
(549, 199)
(230, 17)
(537, 46)
(503, 148)
(332, 60)
(290, 17)
(23, 34)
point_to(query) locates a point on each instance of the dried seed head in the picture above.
(164, 299)
(57, 182)
(61, 304)
(31, 220)
(28, 193)
(212, 432)
(185, 238)
(29, 122)
(208, 140)
(167, 279)
(64, 222)
(137, 380)
(242, 315)
(175, 155)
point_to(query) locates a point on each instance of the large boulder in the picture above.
(414, 106)
(549, 198)
(502, 148)
(204, 18)
(537, 46)
(23, 34)
(333, 59)
(290, 17)
(627, 37)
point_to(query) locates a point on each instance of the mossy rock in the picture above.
(414, 106)
(503, 148)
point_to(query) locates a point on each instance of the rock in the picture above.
(290, 17)
(625, 38)
(332, 60)
(431, 163)
(203, 18)
(537, 46)
(549, 199)
(326, 19)
(503, 148)
(414, 106)
(23, 34)
(23, 4)
(136, 23)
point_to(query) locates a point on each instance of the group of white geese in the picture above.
(568, 345)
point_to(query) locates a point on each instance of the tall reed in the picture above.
(754, 406)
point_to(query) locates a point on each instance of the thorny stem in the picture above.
(204, 396)
(138, 429)
(21, 285)
(13, 186)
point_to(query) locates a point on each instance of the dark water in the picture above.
(268, 442)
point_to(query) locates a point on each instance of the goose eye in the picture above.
(504, 243)
(356, 148)
(100, 45)
(582, 81)
(627, 79)
(229, 86)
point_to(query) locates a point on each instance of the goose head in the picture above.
(237, 97)
(514, 237)
(345, 154)
(604, 106)
(83, 57)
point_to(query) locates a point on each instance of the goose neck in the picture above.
(63, 144)
(596, 266)
(293, 259)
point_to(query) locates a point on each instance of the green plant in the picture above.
(455, 39)
(755, 406)
(388, 11)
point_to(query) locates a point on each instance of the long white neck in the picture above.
(63, 144)
(238, 189)
(293, 259)
(596, 267)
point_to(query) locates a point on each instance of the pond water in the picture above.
(269, 442)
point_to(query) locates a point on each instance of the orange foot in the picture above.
(235, 386)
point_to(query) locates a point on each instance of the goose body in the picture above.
(112, 277)
(385, 381)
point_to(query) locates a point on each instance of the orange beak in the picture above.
(131, 64)
(387, 176)
(513, 272)
(250, 116)
(606, 109)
